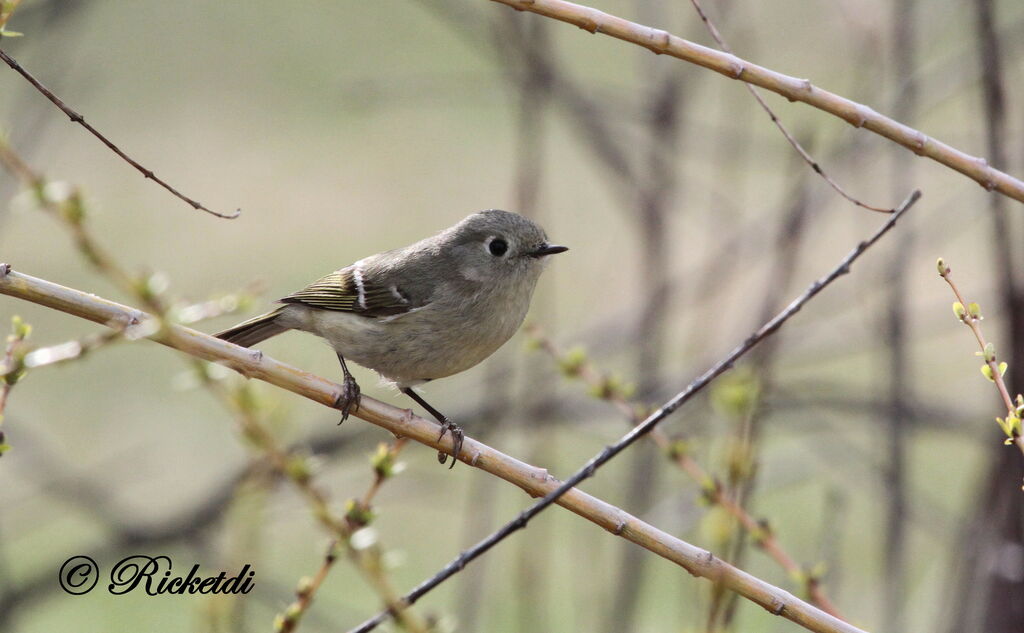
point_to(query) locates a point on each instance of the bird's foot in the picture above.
(348, 401)
(457, 437)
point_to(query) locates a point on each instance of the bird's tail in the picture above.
(256, 329)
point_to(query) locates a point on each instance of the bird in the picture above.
(426, 311)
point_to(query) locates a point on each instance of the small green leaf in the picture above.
(958, 310)
(974, 310)
(990, 352)
(986, 371)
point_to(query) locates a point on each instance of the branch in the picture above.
(79, 119)
(534, 481)
(648, 425)
(794, 89)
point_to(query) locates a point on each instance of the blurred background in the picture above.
(862, 432)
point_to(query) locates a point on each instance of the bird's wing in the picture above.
(351, 290)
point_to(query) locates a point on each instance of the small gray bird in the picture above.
(426, 311)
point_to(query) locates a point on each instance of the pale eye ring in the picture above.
(497, 247)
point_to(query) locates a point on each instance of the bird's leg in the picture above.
(446, 426)
(349, 400)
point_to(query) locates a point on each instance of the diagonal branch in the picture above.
(794, 89)
(534, 481)
(647, 426)
(79, 119)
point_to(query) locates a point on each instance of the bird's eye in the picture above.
(498, 247)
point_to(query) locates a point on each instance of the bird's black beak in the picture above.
(548, 249)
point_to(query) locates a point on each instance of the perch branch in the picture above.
(793, 88)
(534, 481)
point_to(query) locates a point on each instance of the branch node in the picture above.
(476, 458)
(987, 183)
(4, 269)
(777, 607)
(863, 114)
(659, 41)
(919, 142)
(256, 355)
(591, 23)
(620, 527)
(737, 69)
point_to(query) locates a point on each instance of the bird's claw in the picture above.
(457, 437)
(348, 401)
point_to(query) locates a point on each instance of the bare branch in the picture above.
(794, 89)
(78, 118)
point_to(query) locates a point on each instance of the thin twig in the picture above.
(78, 118)
(383, 467)
(813, 164)
(648, 424)
(793, 88)
(13, 368)
(970, 315)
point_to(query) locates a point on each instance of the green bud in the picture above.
(572, 362)
(20, 329)
(677, 448)
(958, 310)
(298, 470)
(305, 586)
(357, 514)
(941, 266)
(817, 572)
(974, 310)
(72, 209)
(383, 461)
(279, 623)
(986, 371)
(1011, 426)
(990, 352)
